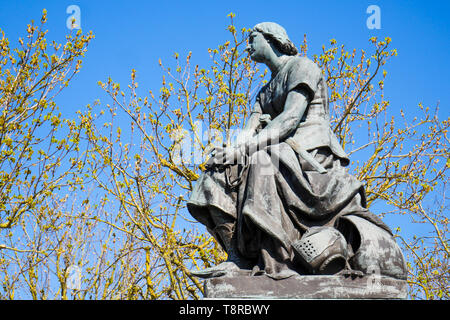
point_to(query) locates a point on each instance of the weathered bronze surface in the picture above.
(306, 287)
(280, 200)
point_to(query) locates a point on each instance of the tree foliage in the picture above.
(106, 191)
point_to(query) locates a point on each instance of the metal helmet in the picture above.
(322, 250)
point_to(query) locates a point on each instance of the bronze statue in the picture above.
(280, 201)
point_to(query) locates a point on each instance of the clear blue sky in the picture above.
(135, 34)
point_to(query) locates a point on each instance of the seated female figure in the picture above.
(280, 201)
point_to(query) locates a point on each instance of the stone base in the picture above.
(305, 287)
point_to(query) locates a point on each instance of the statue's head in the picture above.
(267, 36)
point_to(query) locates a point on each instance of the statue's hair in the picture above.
(278, 36)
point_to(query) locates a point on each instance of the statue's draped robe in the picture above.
(281, 195)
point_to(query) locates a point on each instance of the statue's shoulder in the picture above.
(303, 64)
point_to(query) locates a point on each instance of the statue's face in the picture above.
(258, 47)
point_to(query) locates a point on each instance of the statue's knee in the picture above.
(263, 163)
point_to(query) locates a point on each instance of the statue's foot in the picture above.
(222, 269)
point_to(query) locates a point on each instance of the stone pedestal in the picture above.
(306, 287)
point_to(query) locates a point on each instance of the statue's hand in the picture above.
(222, 157)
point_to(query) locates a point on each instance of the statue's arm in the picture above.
(277, 130)
(284, 124)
